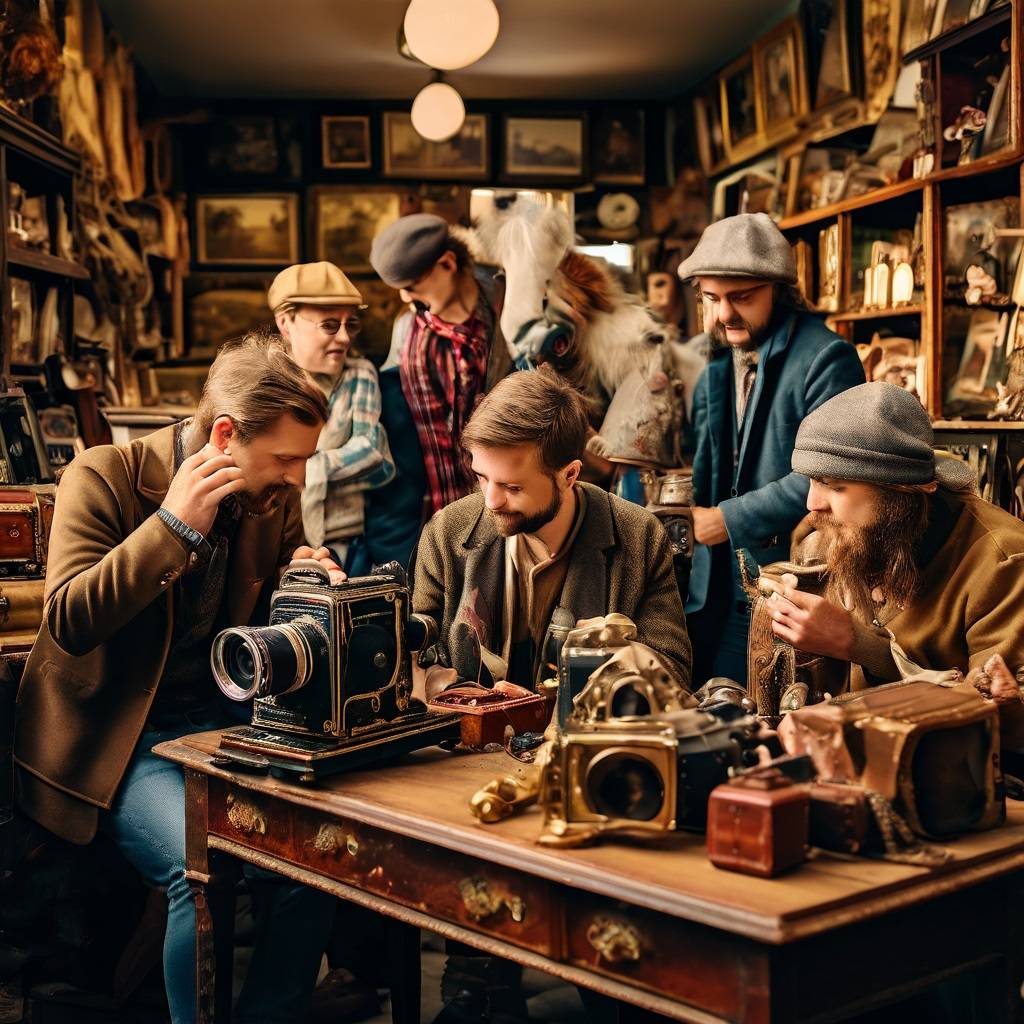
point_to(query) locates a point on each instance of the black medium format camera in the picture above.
(331, 675)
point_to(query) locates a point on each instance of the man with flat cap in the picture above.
(446, 349)
(316, 308)
(772, 363)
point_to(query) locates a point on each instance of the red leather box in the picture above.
(757, 824)
(487, 713)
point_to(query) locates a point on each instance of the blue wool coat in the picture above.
(802, 364)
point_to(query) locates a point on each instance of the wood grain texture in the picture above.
(425, 798)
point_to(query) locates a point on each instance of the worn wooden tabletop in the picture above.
(426, 797)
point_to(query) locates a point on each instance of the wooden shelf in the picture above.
(913, 309)
(957, 35)
(32, 259)
(993, 162)
(977, 425)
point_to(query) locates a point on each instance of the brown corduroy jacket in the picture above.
(108, 614)
(621, 561)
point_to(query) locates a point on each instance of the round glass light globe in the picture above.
(438, 112)
(450, 34)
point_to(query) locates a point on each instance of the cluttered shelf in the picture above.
(957, 35)
(913, 309)
(33, 259)
(996, 162)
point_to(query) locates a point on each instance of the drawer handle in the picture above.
(245, 818)
(615, 941)
(330, 839)
(480, 902)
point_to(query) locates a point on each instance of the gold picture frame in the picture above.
(345, 141)
(346, 218)
(464, 157)
(781, 79)
(741, 111)
(247, 229)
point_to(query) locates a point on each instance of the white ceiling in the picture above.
(331, 49)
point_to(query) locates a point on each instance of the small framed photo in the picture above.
(833, 80)
(463, 157)
(247, 229)
(346, 141)
(617, 155)
(778, 58)
(544, 147)
(707, 116)
(345, 222)
(740, 109)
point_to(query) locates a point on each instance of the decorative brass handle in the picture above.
(244, 817)
(330, 839)
(480, 902)
(615, 941)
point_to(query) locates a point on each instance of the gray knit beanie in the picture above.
(876, 433)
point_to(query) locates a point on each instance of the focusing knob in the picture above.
(305, 572)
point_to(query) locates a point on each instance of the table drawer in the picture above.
(464, 890)
(679, 959)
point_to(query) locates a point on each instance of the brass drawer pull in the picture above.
(480, 902)
(244, 817)
(330, 839)
(616, 941)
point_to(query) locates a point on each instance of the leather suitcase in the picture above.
(841, 819)
(932, 750)
(25, 517)
(758, 824)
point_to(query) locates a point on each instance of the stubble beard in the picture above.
(508, 524)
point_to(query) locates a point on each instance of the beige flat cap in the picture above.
(313, 284)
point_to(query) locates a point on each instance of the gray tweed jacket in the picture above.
(620, 562)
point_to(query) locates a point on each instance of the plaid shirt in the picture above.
(352, 456)
(444, 372)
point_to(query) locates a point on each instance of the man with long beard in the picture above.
(913, 553)
(492, 567)
(775, 362)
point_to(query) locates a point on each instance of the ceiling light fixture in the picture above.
(438, 111)
(450, 34)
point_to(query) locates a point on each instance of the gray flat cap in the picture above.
(404, 251)
(876, 433)
(747, 245)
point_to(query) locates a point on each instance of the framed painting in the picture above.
(740, 109)
(247, 229)
(345, 222)
(544, 147)
(778, 59)
(617, 151)
(463, 157)
(345, 141)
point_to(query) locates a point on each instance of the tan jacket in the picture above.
(970, 604)
(621, 561)
(107, 621)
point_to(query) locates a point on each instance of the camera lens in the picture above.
(621, 785)
(628, 701)
(267, 661)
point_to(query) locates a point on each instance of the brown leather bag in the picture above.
(932, 750)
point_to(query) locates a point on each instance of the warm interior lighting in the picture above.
(438, 112)
(450, 34)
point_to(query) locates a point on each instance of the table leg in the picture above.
(404, 957)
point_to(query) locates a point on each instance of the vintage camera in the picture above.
(643, 775)
(331, 675)
(672, 503)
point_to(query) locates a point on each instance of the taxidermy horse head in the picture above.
(567, 309)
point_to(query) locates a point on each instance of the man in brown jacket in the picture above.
(911, 549)
(492, 567)
(156, 546)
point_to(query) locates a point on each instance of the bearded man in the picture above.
(912, 551)
(492, 567)
(775, 362)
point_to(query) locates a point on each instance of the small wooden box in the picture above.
(25, 517)
(840, 818)
(757, 824)
(522, 711)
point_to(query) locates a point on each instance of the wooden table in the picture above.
(656, 927)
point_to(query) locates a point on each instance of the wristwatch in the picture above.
(193, 538)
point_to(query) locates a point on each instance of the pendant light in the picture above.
(438, 112)
(450, 34)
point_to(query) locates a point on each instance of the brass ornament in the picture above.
(614, 941)
(480, 902)
(245, 818)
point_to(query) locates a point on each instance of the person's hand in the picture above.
(325, 558)
(808, 622)
(709, 525)
(202, 482)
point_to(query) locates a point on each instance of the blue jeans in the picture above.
(147, 822)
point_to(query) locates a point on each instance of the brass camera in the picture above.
(331, 675)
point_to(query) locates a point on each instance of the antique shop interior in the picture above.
(628, 624)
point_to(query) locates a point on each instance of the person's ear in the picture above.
(572, 473)
(221, 433)
(284, 325)
(448, 262)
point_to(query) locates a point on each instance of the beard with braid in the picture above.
(861, 559)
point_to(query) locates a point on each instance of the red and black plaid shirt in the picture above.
(443, 371)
